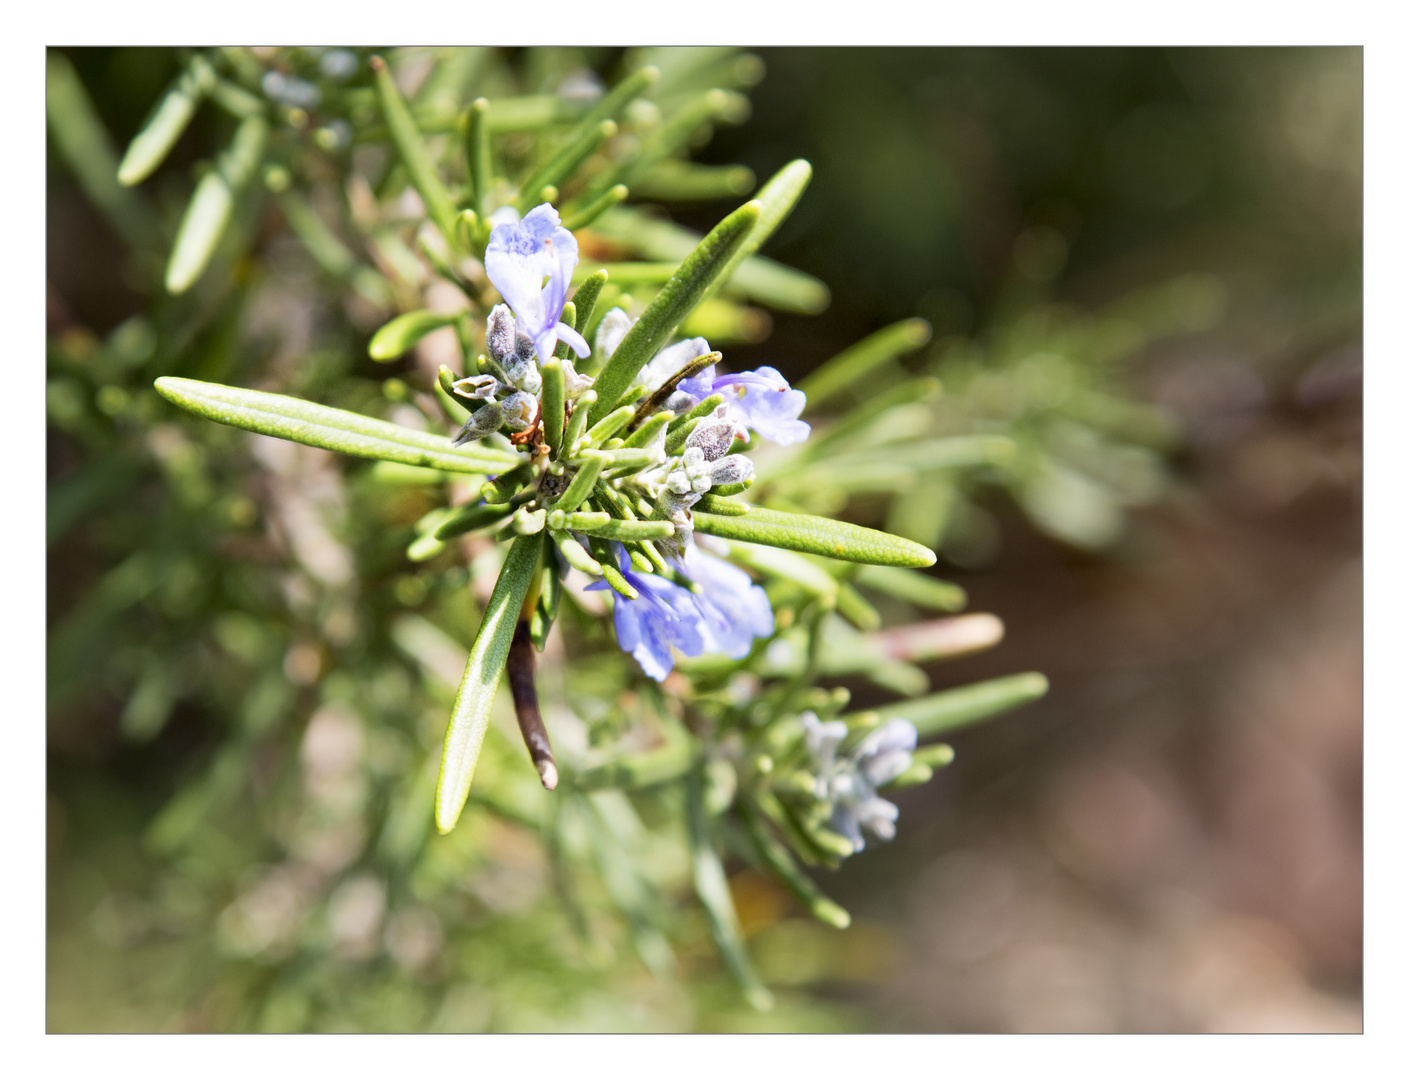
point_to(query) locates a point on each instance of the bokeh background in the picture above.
(1170, 841)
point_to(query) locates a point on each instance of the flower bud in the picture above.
(486, 419)
(499, 336)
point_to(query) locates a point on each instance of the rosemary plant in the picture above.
(592, 450)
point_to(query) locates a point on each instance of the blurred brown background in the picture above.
(1171, 840)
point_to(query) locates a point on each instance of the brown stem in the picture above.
(657, 398)
(535, 735)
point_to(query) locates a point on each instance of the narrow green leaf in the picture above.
(590, 212)
(630, 458)
(647, 432)
(615, 529)
(724, 491)
(675, 300)
(756, 278)
(470, 717)
(775, 856)
(815, 535)
(406, 137)
(913, 586)
(508, 484)
(476, 516)
(85, 147)
(966, 705)
(584, 520)
(584, 300)
(857, 609)
(785, 565)
(608, 425)
(401, 334)
(934, 756)
(545, 611)
(776, 201)
(611, 104)
(593, 461)
(150, 146)
(553, 401)
(918, 773)
(856, 422)
(576, 554)
(685, 181)
(670, 762)
(210, 208)
(852, 365)
(332, 429)
(577, 422)
(558, 169)
(477, 154)
(712, 887)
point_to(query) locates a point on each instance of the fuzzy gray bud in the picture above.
(499, 336)
(713, 438)
(486, 419)
(734, 469)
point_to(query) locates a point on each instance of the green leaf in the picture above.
(712, 887)
(776, 199)
(670, 762)
(852, 365)
(775, 856)
(406, 137)
(676, 299)
(477, 154)
(815, 535)
(150, 146)
(785, 565)
(593, 461)
(474, 516)
(82, 141)
(621, 95)
(402, 333)
(757, 278)
(560, 168)
(580, 218)
(966, 705)
(554, 399)
(615, 529)
(331, 429)
(470, 717)
(210, 208)
(682, 181)
(911, 585)
(584, 300)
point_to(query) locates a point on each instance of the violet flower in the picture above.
(735, 609)
(521, 255)
(664, 614)
(848, 783)
(760, 400)
(725, 618)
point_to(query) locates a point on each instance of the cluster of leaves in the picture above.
(271, 597)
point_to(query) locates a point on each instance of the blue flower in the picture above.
(735, 609)
(760, 400)
(763, 400)
(521, 254)
(848, 783)
(726, 619)
(664, 614)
